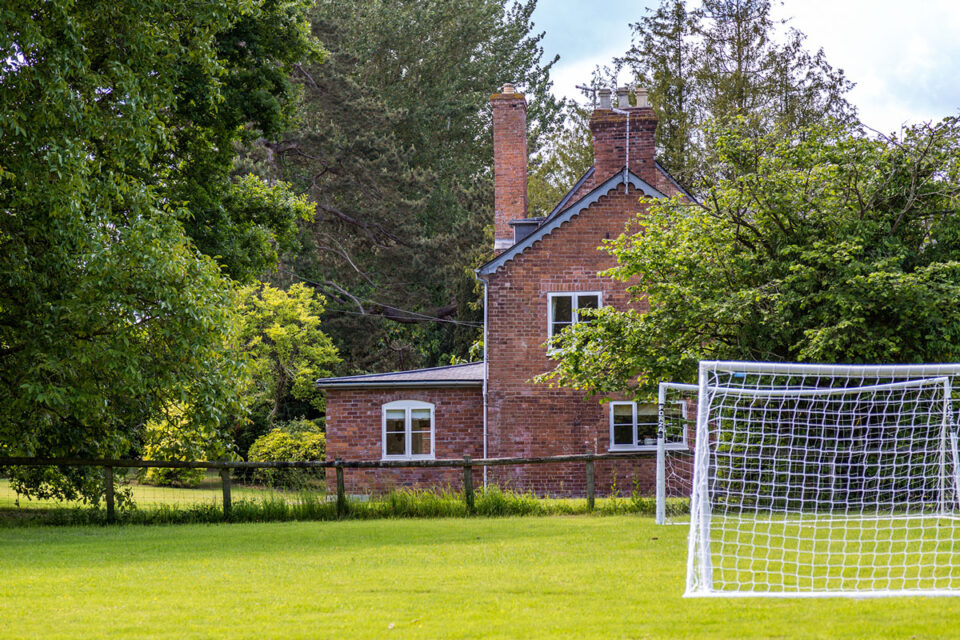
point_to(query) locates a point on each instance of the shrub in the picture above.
(170, 437)
(296, 440)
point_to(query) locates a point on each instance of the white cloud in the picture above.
(567, 74)
(902, 57)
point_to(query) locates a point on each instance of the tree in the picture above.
(565, 156)
(173, 436)
(243, 93)
(724, 60)
(395, 148)
(287, 352)
(664, 58)
(110, 312)
(820, 245)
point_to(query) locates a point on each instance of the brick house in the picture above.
(544, 270)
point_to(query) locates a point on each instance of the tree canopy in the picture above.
(280, 333)
(566, 154)
(394, 147)
(120, 222)
(722, 60)
(820, 244)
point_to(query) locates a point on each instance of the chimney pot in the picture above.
(643, 99)
(624, 136)
(508, 88)
(604, 98)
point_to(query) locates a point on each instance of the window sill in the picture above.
(405, 458)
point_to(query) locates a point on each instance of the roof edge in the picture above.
(674, 182)
(377, 379)
(394, 384)
(566, 198)
(551, 224)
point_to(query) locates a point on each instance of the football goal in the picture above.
(676, 421)
(825, 480)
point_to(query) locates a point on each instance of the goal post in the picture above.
(676, 420)
(825, 480)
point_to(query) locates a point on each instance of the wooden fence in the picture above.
(339, 465)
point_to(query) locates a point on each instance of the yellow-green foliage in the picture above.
(284, 445)
(287, 350)
(173, 437)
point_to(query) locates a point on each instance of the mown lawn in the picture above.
(575, 577)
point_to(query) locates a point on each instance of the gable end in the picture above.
(554, 222)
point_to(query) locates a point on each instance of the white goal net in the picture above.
(676, 423)
(825, 480)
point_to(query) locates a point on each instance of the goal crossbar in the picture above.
(820, 391)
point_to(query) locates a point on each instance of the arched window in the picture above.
(407, 430)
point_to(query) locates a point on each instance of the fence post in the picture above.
(341, 493)
(468, 483)
(108, 479)
(590, 491)
(225, 484)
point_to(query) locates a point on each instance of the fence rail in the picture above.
(6, 461)
(225, 466)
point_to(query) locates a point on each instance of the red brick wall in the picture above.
(609, 130)
(533, 419)
(354, 433)
(509, 164)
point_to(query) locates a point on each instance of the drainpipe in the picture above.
(485, 306)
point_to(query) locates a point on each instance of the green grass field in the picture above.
(574, 577)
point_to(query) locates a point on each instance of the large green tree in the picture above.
(818, 245)
(395, 148)
(114, 305)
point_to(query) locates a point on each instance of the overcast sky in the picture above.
(904, 57)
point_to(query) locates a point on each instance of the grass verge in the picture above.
(274, 507)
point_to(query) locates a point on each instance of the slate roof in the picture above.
(673, 181)
(455, 375)
(566, 198)
(557, 218)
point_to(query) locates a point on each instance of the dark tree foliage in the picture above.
(722, 60)
(249, 95)
(394, 146)
(566, 154)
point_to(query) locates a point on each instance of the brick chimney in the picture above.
(609, 126)
(509, 163)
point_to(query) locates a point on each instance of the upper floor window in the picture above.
(408, 430)
(634, 426)
(564, 309)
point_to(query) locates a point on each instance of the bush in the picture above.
(170, 437)
(296, 440)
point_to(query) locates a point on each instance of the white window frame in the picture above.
(407, 406)
(573, 306)
(640, 446)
